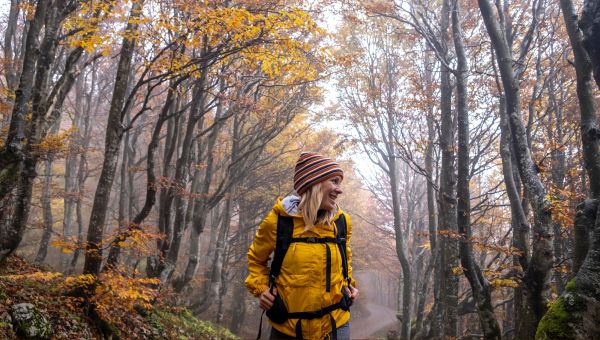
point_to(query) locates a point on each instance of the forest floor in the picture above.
(54, 312)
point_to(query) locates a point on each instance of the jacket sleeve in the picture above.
(349, 250)
(259, 254)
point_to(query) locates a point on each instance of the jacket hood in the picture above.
(288, 206)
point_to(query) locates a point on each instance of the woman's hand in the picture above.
(266, 298)
(352, 292)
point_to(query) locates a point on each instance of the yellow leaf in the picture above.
(457, 270)
(426, 245)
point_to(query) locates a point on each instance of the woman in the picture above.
(309, 288)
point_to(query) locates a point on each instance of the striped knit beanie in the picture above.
(312, 168)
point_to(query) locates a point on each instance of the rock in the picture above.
(29, 322)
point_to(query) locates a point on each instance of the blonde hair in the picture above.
(310, 202)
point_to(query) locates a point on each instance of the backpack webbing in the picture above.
(285, 229)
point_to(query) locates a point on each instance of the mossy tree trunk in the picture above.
(537, 271)
(576, 314)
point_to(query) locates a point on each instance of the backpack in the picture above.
(279, 313)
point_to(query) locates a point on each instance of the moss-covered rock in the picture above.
(29, 322)
(181, 324)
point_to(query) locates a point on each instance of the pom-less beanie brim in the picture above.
(312, 168)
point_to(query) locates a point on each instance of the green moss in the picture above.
(184, 325)
(155, 321)
(31, 284)
(6, 331)
(571, 286)
(555, 324)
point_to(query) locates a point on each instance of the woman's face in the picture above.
(330, 188)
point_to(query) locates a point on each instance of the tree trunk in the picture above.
(18, 158)
(448, 302)
(203, 203)
(114, 133)
(10, 60)
(238, 308)
(222, 291)
(155, 264)
(479, 286)
(387, 131)
(400, 252)
(151, 186)
(17, 169)
(519, 224)
(16, 132)
(432, 218)
(558, 173)
(584, 226)
(576, 314)
(182, 173)
(46, 201)
(422, 294)
(70, 177)
(219, 282)
(81, 176)
(590, 27)
(590, 138)
(112, 261)
(537, 272)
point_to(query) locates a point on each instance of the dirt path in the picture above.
(375, 316)
(380, 317)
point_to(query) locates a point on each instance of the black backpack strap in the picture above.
(333, 327)
(285, 230)
(317, 240)
(317, 314)
(342, 231)
(328, 269)
(299, 329)
(333, 334)
(260, 325)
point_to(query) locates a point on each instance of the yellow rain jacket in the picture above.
(302, 280)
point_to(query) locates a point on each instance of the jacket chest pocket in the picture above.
(302, 265)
